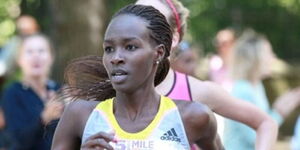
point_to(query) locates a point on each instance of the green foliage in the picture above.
(279, 20)
(115, 5)
(8, 28)
(40, 10)
(9, 10)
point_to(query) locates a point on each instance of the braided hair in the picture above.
(87, 78)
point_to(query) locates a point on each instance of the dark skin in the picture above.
(131, 54)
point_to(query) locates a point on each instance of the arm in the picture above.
(70, 128)
(67, 133)
(205, 125)
(290, 100)
(222, 103)
(210, 140)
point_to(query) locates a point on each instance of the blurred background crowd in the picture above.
(231, 42)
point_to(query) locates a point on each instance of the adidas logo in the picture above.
(170, 135)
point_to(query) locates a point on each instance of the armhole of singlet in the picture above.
(189, 87)
(86, 122)
(182, 122)
(173, 85)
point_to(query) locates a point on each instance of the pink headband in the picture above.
(175, 14)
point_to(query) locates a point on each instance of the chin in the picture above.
(38, 74)
(123, 88)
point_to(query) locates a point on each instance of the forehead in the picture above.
(225, 35)
(157, 4)
(35, 42)
(127, 26)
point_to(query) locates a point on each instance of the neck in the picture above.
(137, 104)
(37, 83)
(226, 57)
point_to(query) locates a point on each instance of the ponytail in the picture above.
(87, 79)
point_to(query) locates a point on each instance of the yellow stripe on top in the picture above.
(106, 106)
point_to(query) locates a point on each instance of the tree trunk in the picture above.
(77, 30)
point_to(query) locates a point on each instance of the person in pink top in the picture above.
(210, 93)
(180, 88)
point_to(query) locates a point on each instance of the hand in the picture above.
(52, 111)
(99, 141)
(286, 103)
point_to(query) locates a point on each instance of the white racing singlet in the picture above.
(165, 132)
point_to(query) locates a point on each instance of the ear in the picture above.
(159, 52)
(175, 40)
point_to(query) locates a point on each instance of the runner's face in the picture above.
(129, 55)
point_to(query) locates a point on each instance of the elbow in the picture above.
(270, 123)
(266, 134)
(268, 127)
(266, 123)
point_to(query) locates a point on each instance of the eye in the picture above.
(131, 47)
(108, 49)
(41, 50)
(29, 51)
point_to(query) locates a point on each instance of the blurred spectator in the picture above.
(26, 25)
(30, 114)
(185, 59)
(219, 63)
(252, 61)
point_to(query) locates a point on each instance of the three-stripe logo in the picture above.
(170, 135)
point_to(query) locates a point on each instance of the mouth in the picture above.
(118, 76)
(118, 72)
(36, 66)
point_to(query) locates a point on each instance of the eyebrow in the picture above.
(123, 39)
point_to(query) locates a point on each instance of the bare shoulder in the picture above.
(196, 117)
(81, 106)
(208, 92)
(76, 113)
(79, 110)
(71, 125)
(191, 110)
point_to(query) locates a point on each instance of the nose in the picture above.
(117, 58)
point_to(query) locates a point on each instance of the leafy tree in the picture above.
(277, 19)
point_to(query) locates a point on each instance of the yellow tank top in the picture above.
(165, 132)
